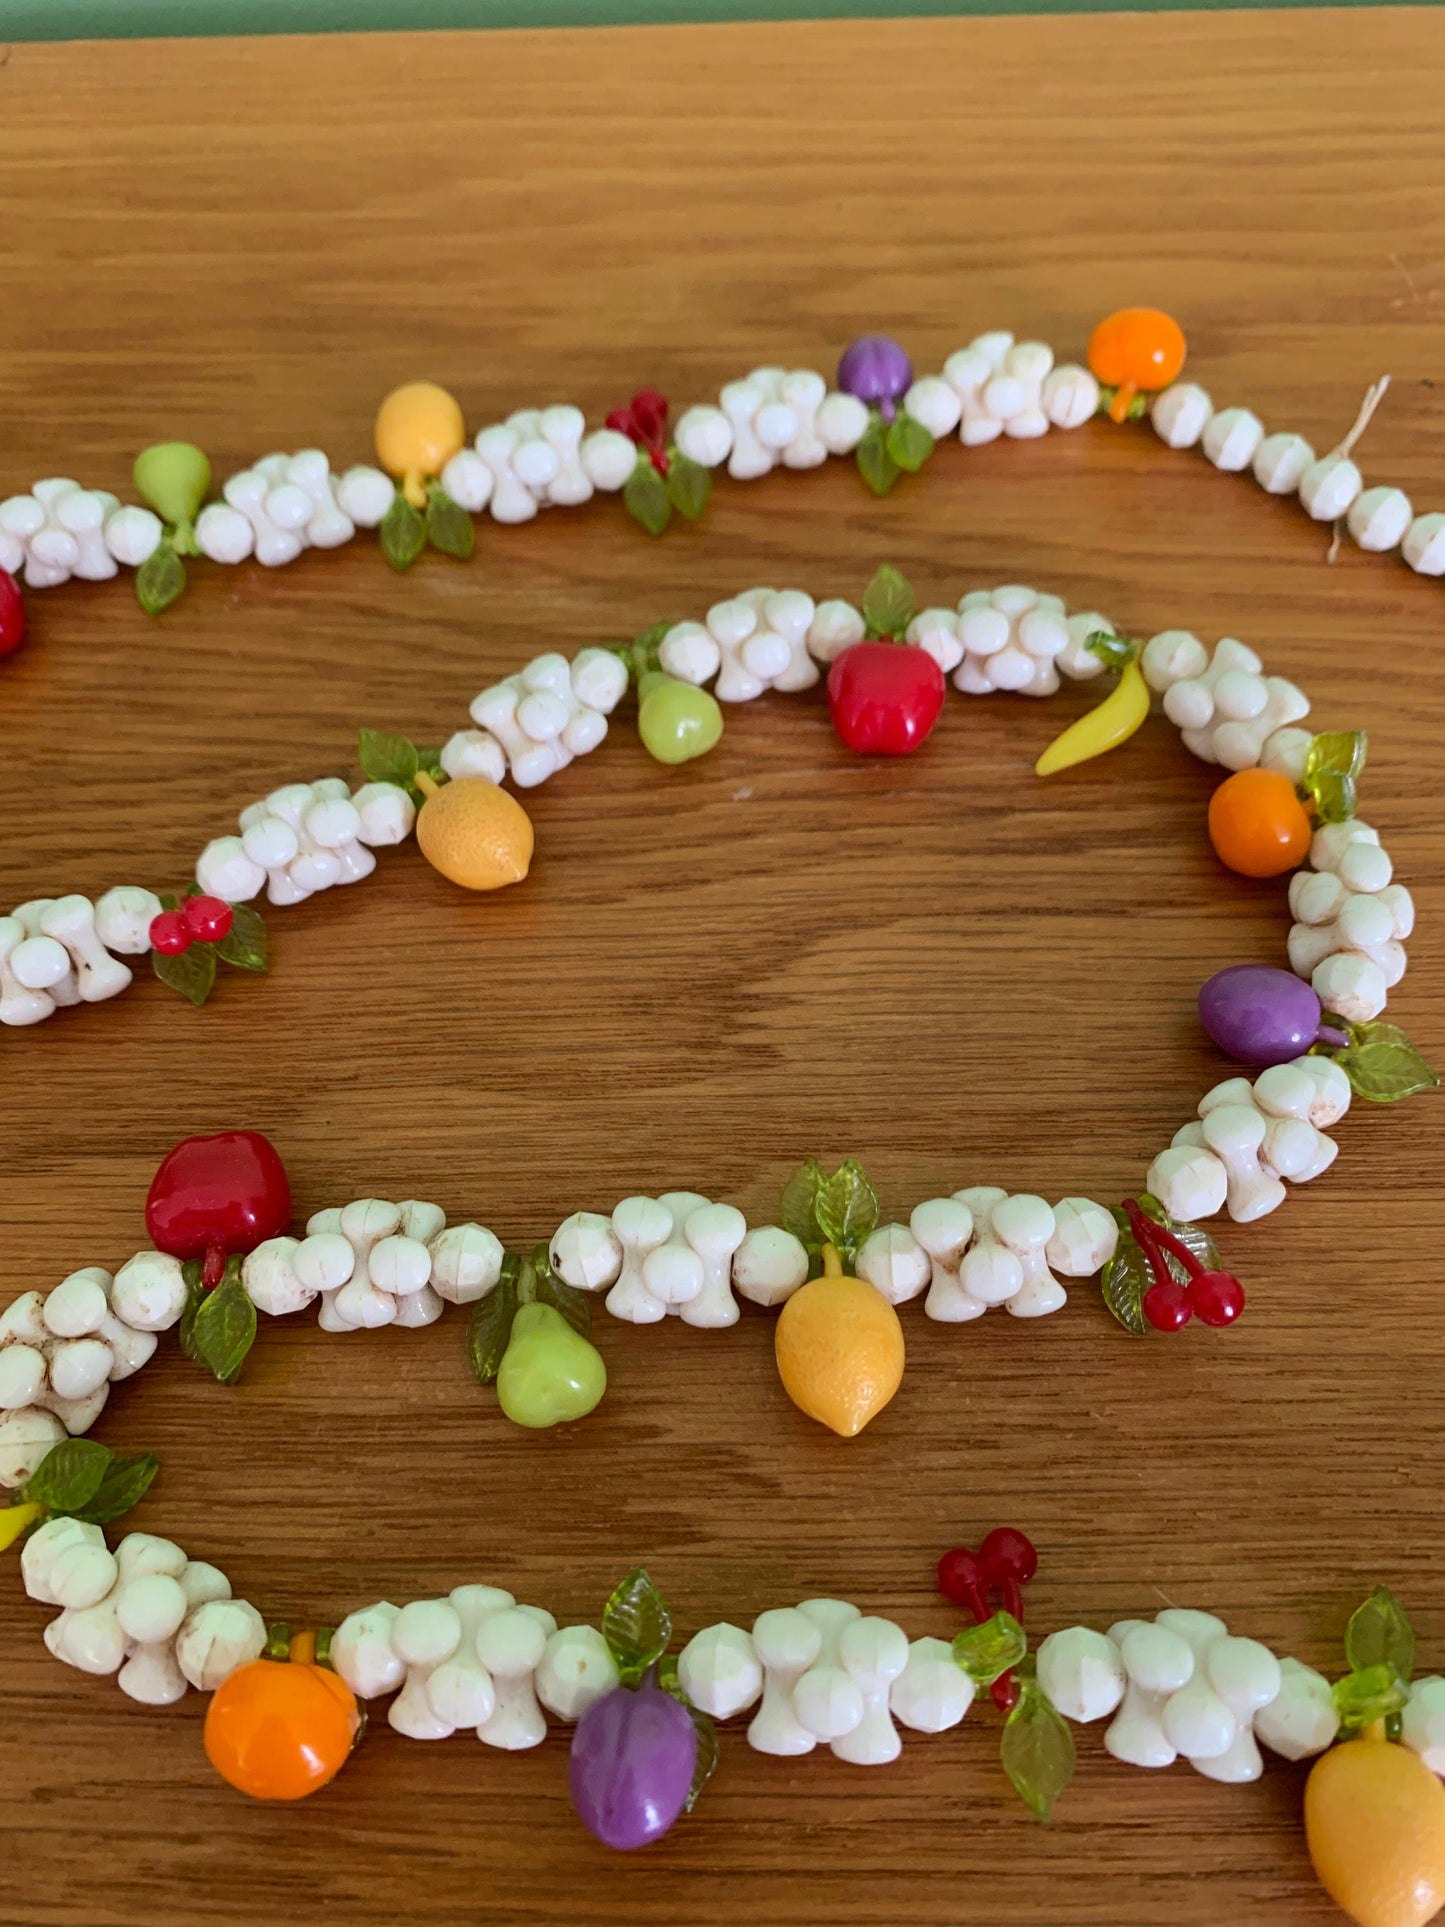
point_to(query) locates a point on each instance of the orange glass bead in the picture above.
(279, 1729)
(1136, 349)
(1257, 823)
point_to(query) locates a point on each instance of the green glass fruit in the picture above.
(173, 477)
(675, 720)
(549, 1374)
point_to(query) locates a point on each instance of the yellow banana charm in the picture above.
(15, 1519)
(1103, 728)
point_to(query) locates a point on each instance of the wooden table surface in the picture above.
(941, 965)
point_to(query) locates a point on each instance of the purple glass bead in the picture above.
(1259, 1014)
(876, 370)
(630, 1772)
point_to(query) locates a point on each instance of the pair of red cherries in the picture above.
(644, 421)
(198, 920)
(1003, 1565)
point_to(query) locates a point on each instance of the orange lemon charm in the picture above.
(475, 833)
(839, 1348)
(280, 1728)
(1375, 1823)
(1136, 350)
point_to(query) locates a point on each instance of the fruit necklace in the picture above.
(285, 1712)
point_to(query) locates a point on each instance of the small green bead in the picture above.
(549, 1374)
(677, 721)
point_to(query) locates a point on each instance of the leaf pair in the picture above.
(192, 972)
(1127, 1275)
(1380, 1061)
(1380, 1650)
(1333, 764)
(405, 531)
(218, 1328)
(489, 1330)
(839, 1210)
(889, 604)
(637, 1628)
(641, 655)
(650, 498)
(385, 758)
(890, 449)
(1037, 1747)
(83, 1479)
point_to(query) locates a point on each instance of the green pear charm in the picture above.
(549, 1373)
(173, 477)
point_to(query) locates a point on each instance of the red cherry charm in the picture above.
(12, 613)
(208, 919)
(169, 933)
(1217, 1297)
(884, 697)
(1168, 1307)
(649, 411)
(213, 1196)
(1008, 1557)
(961, 1578)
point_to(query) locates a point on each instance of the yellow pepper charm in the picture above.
(1113, 721)
(15, 1519)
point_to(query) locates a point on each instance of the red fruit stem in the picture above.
(1147, 1235)
(214, 1266)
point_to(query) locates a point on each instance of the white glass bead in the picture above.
(149, 1291)
(365, 494)
(40, 962)
(1082, 1672)
(80, 1366)
(1197, 1723)
(1379, 518)
(77, 1305)
(1424, 544)
(577, 1668)
(133, 535)
(1302, 1717)
(323, 1261)
(935, 404)
(151, 1608)
(1070, 396)
(609, 457)
(841, 422)
(1280, 462)
(1157, 1659)
(26, 1436)
(1328, 487)
(223, 533)
(1180, 414)
(933, 1692)
(704, 434)
(22, 1376)
(719, 1671)
(1232, 438)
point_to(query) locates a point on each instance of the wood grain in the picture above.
(942, 966)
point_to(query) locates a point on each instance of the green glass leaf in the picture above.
(705, 1762)
(908, 442)
(244, 944)
(646, 496)
(490, 1326)
(224, 1327)
(1382, 1064)
(195, 1298)
(1125, 1280)
(1113, 651)
(636, 1625)
(889, 603)
(123, 1484)
(192, 972)
(430, 760)
(799, 1209)
(449, 527)
(1342, 751)
(160, 578)
(387, 759)
(986, 1652)
(1334, 796)
(847, 1208)
(875, 464)
(688, 485)
(69, 1476)
(575, 1306)
(402, 533)
(1199, 1242)
(1373, 1693)
(1037, 1749)
(1380, 1634)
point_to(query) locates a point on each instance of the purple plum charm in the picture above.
(1262, 1015)
(877, 371)
(631, 1768)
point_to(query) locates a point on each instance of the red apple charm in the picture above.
(885, 697)
(213, 1196)
(12, 613)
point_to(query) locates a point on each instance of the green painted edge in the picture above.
(203, 19)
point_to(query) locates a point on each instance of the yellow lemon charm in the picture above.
(1103, 728)
(418, 430)
(14, 1519)
(1375, 1823)
(839, 1348)
(473, 832)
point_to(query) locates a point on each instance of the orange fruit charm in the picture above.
(1375, 1823)
(475, 833)
(279, 1729)
(1136, 349)
(419, 428)
(839, 1348)
(1257, 823)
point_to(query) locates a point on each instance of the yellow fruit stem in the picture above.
(832, 1263)
(1119, 406)
(414, 488)
(303, 1648)
(426, 784)
(16, 1519)
(1374, 1731)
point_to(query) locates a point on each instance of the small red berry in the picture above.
(1007, 1554)
(1167, 1307)
(649, 411)
(168, 933)
(12, 613)
(961, 1578)
(208, 919)
(1217, 1297)
(623, 422)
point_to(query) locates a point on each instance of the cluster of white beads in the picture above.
(998, 386)
(774, 416)
(762, 639)
(1330, 487)
(1226, 708)
(147, 1613)
(56, 951)
(60, 530)
(824, 1672)
(537, 458)
(1351, 921)
(1012, 639)
(984, 1247)
(1248, 1137)
(374, 1263)
(303, 838)
(1184, 1685)
(653, 1256)
(535, 722)
(288, 503)
(474, 1659)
